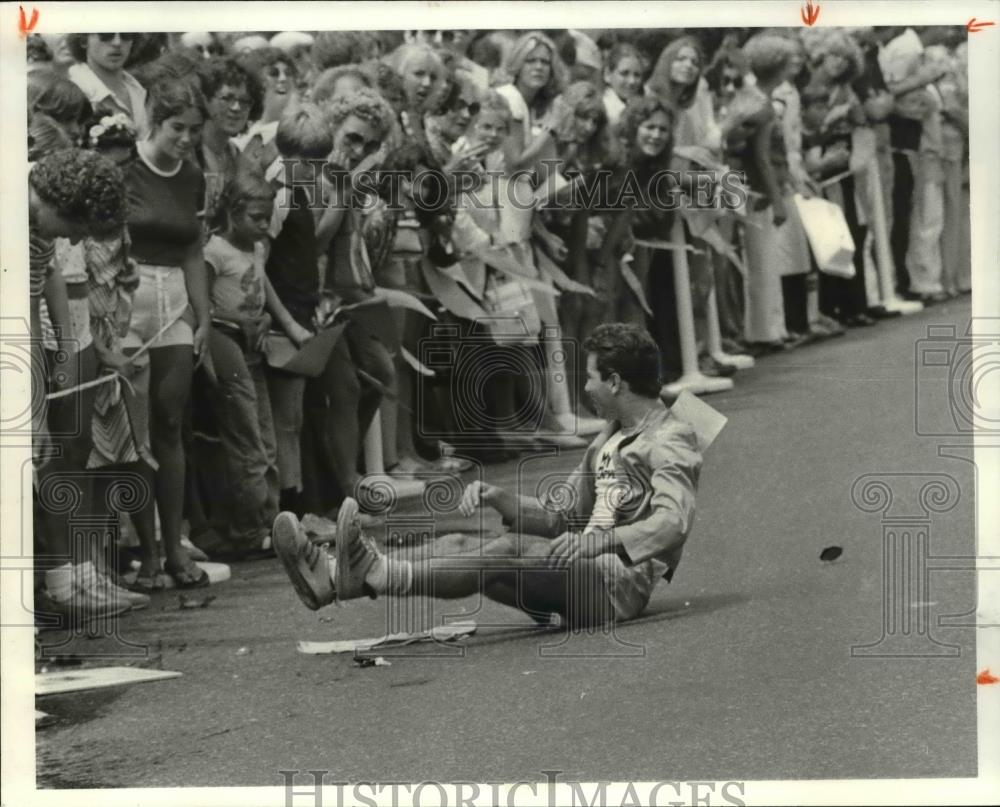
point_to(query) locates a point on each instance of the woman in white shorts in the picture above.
(166, 192)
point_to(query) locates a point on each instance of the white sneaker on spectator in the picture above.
(115, 593)
(79, 596)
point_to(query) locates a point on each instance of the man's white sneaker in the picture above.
(355, 554)
(307, 565)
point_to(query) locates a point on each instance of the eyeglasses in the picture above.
(126, 37)
(356, 141)
(234, 100)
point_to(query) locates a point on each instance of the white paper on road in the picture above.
(441, 633)
(706, 421)
(97, 678)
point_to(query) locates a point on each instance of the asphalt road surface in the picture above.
(742, 667)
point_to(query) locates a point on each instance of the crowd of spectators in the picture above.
(238, 259)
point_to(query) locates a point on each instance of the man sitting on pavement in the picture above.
(628, 510)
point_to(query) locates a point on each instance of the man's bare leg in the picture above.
(511, 569)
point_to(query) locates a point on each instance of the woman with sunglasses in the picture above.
(460, 106)
(101, 74)
(339, 406)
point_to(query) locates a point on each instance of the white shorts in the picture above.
(159, 305)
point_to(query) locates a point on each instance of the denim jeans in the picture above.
(341, 406)
(286, 392)
(242, 408)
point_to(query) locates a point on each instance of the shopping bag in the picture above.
(828, 234)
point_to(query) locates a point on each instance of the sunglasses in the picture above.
(473, 107)
(126, 37)
(729, 81)
(356, 141)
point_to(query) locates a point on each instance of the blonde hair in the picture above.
(514, 61)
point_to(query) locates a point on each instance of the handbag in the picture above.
(828, 234)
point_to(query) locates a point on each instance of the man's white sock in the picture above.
(386, 576)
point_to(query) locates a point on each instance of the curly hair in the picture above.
(388, 84)
(580, 97)
(224, 71)
(337, 48)
(56, 97)
(518, 55)
(768, 55)
(326, 82)
(84, 187)
(365, 104)
(839, 44)
(637, 110)
(169, 97)
(629, 351)
(659, 81)
(725, 57)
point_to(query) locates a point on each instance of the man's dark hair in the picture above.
(629, 351)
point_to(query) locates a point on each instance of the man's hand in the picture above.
(572, 546)
(476, 493)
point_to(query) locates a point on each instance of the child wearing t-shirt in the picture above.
(243, 304)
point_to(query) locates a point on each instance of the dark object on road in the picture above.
(195, 602)
(831, 553)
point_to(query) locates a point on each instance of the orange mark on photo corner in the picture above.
(986, 677)
(972, 26)
(24, 25)
(810, 13)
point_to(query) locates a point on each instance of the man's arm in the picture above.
(672, 507)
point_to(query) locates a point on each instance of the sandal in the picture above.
(147, 584)
(189, 575)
